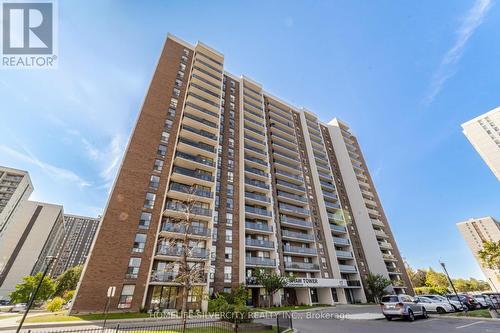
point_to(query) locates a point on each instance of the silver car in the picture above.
(401, 306)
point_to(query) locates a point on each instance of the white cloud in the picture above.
(49, 169)
(447, 69)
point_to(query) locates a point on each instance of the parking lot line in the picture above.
(474, 323)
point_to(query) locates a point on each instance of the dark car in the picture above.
(469, 301)
(4, 302)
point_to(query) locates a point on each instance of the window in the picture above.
(126, 296)
(230, 153)
(184, 58)
(171, 113)
(133, 268)
(228, 254)
(162, 150)
(186, 52)
(182, 67)
(214, 234)
(229, 218)
(145, 220)
(227, 273)
(216, 218)
(176, 92)
(213, 252)
(229, 203)
(180, 75)
(231, 142)
(168, 124)
(194, 294)
(229, 236)
(139, 243)
(154, 182)
(211, 273)
(230, 176)
(158, 166)
(178, 83)
(150, 200)
(173, 103)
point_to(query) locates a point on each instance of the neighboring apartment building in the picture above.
(483, 133)
(476, 231)
(275, 188)
(78, 237)
(15, 187)
(34, 233)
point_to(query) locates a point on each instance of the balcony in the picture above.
(338, 228)
(255, 99)
(199, 145)
(335, 217)
(341, 241)
(198, 159)
(300, 250)
(256, 160)
(353, 283)
(389, 257)
(255, 131)
(344, 254)
(286, 184)
(381, 233)
(257, 261)
(373, 212)
(256, 171)
(287, 149)
(250, 242)
(258, 197)
(295, 222)
(193, 173)
(327, 185)
(330, 195)
(288, 158)
(181, 229)
(293, 209)
(332, 205)
(261, 142)
(193, 120)
(259, 226)
(348, 268)
(199, 134)
(256, 150)
(199, 111)
(291, 197)
(297, 235)
(186, 189)
(301, 266)
(256, 183)
(258, 211)
(378, 223)
(385, 245)
(179, 207)
(289, 175)
(173, 251)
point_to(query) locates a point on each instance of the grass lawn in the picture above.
(9, 316)
(289, 308)
(483, 313)
(63, 316)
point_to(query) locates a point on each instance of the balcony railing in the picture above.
(198, 159)
(180, 207)
(256, 160)
(248, 137)
(200, 132)
(181, 228)
(179, 251)
(200, 120)
(257, 150)
(291, 220)
(199, 108)
(301, 265)
(260, 261)
(190, 190)
(291, 196)
(199, 145)
(344, 254)
(339, 228)
(258, 226)
(298, 235)
(256, 183)
(347, 268)
(329, 204)
(258, 211)
(298, 249)
(256, 171)
(259, 243)
(294, 209)
(258, 197)
(288, 184)
(336, 217)
(340, 240)
(193, 173)
(288, 174)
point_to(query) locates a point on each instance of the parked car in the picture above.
(434, 306)
(457, 306)
(494, 299)
(469, 302)
(4, 302)
(484, 302)
(19, 307)
(401, 306)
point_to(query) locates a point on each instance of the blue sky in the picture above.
(403, 74)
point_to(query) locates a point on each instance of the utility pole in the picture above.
(49, 260)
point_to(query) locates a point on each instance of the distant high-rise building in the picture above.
(33, 234)
(274, 188)
(79, 234)
(476, 232)
(483, 133)
(15, 187)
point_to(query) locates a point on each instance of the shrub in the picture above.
(55, 304)
(68, 295)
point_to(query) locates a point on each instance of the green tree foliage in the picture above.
(231, 306)
(490, 255)
(272, 281)
(55, 304)
(419, 278)
(68, 280)
(376, 284)
(435, 279)
(430, 290)
(68, 295)
(24, 289)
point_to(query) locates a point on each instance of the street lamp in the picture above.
(49, 260)
(451, 282)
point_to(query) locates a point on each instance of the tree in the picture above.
(24, 290)
(55, 304)
(272, 281)
(435, 279)
(490, 255)
(68, 280)
(179, 242)
(376, 284)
